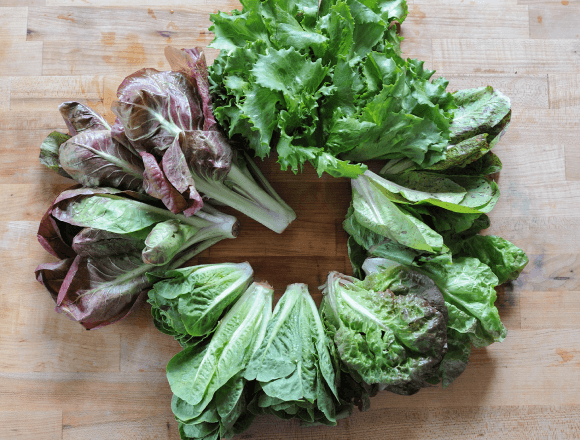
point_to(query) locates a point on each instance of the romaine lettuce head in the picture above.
(390, 330)
(293, 365)
(197, 373)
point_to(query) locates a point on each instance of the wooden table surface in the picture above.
(60, 381)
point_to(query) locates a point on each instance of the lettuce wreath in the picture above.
(323, 83)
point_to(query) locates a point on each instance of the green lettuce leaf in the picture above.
(504, 258)
(191, 300)
(197, 373)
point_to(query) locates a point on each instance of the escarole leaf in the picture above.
(191, 300)
(334, 83)
(293, 365)
(389, 330)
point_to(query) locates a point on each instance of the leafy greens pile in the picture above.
(400, 329)
(326, 84)
(140, 209)
(240, 359)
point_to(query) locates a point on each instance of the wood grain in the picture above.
(58, 381)
(564, 90)
(40, 424)
(466, 21)
(555, 21)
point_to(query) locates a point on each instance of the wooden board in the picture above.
(58, 381)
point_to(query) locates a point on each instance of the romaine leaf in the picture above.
(293, 365)
(469, 285)
(374, 210)
(504, 258)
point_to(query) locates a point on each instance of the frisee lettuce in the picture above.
(326, 84)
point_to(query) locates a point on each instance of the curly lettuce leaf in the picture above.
(394, 338)
(334, 84)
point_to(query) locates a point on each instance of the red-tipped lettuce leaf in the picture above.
(156, 184)
(92, 242)
(207, 153)
(93, 158)
(100, 291)
(154, 107)
(78, 118)
(177, 172)
(52, 275)
(191, 62)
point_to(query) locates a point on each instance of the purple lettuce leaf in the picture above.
(192, 63)
(102, 234)
(207, 153)
(51, 239)
(93, 242)
(177, 172)
(56, 235)
(93, 158)
(154, 107)
(157, 185)
(103, 290)
(52, 275)
(78, 118)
